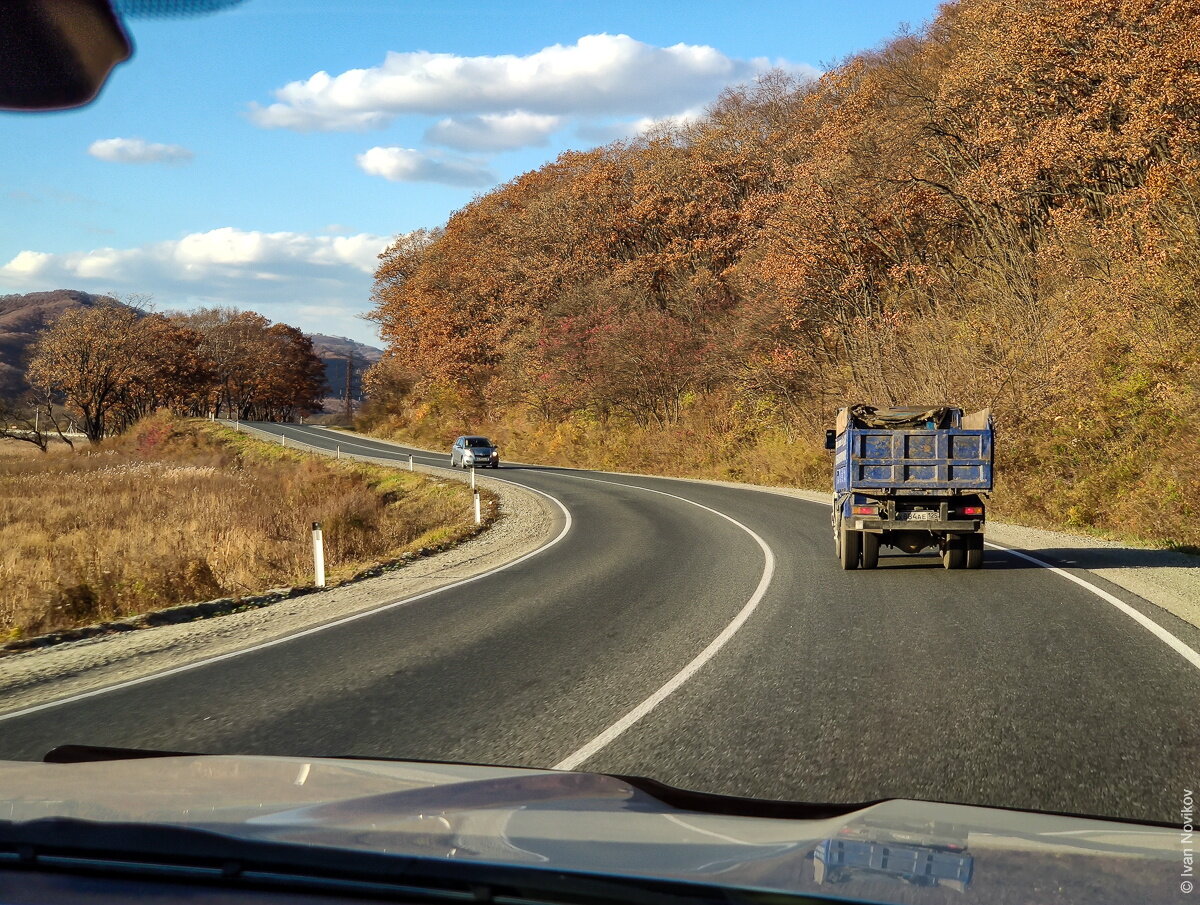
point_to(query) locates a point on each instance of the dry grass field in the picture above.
(176, 512)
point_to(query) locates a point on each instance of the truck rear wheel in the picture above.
(953, 552)
(870, 550)
(849, 547)
(974, 555)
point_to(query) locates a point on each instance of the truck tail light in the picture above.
(864, 510)
(972, 510)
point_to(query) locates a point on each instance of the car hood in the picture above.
(892, 851)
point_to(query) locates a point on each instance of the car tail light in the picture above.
(972, 510)
(864, 510)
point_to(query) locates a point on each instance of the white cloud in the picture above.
(598, 75)
(300, 278)
(134, 150)
(604, 132)
(28, 263)
(494, 131)
(411, 165)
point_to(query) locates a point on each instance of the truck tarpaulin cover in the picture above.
(937, 417)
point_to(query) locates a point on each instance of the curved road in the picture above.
(705, 636)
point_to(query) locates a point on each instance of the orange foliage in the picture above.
(1002, 210)
(112, 364)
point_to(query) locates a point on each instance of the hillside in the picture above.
(998, 211)
(334, 352)
(329, 346)
(22, 317)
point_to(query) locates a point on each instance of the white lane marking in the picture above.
(336, 433)
(310, 631)
(1144, 621)
(1149, 624)
(605, 738)
(336, 439)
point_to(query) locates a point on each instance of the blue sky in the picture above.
(219, 167)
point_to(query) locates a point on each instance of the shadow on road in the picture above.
(1105, 558)
(1065, 557)
(1085, 558)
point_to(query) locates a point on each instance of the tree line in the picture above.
(1001, 210)
(99, 369)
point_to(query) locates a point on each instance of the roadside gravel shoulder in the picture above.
(527, 521)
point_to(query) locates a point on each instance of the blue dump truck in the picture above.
(911, 478)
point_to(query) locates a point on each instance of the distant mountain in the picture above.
(334, 352)
(22, 317)
(329, 346)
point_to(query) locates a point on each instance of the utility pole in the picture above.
(349, 395)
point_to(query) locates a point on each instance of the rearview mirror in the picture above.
(830, 439)
(56, 54)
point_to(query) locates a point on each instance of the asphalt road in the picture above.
(1009, 686)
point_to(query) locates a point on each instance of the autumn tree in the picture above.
(89, 356)
(1001, 210)
(255, 369)
(114, 364)
(171, 371)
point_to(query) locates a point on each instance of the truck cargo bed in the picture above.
(913, 461)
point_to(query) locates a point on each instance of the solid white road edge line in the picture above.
(605, 738)
(1144, 621)
(309, 631)
(335, 438)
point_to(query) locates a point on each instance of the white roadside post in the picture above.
(318, 554)
(478, 514)
(339, 452)
(473, 480)
(282, 440)
(410, 464)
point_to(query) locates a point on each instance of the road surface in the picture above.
(705, 636)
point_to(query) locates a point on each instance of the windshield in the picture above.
(838, 363)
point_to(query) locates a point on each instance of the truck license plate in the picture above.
(923, 516)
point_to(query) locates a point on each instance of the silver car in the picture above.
(474, 452)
